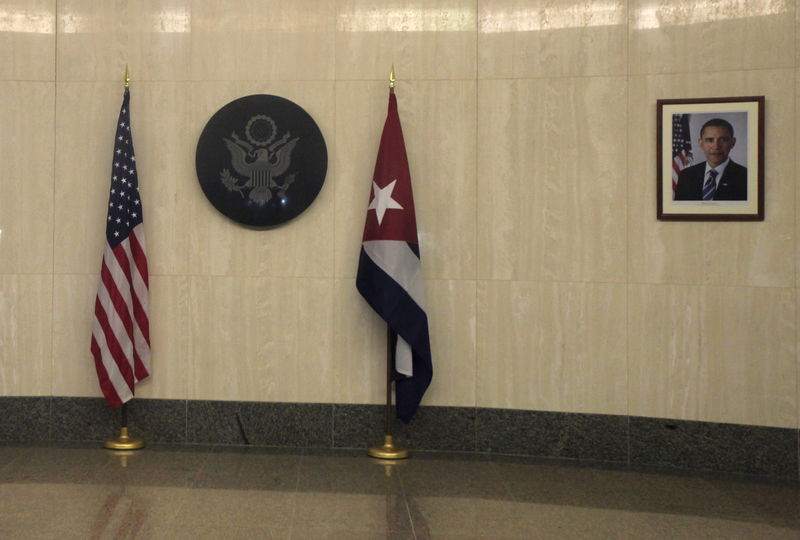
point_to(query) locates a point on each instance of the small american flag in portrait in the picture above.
(681, 147)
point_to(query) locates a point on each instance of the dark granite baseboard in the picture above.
(635, 441)
(433, 428)
(25, 419)
(593, 437)
(756, 450)
(259, 423)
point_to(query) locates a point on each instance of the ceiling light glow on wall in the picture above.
(556, 18)
(705, 11)
(27, 21)
(407, 20)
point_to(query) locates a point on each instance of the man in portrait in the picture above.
(718, 178)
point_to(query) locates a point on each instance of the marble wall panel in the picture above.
(551, 38)
(359, 374)
(74, 373)
(262, 339)
(552, 346)
(27, 37)
(451, 310)
(26, 189)
(26, 327)
(438, 119)
(97, 39)
(699, 36)
(310, 372)
(423, 39)
(355, 152)
(172, 344)
(171, 197)
(262, 40)
(184, 220)
(664, 350)
(747, 254)
(159, 40)
(93, 38)
(719, 354)
(86, 117)
(551, 179)
(749, 356)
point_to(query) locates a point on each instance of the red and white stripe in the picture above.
(121, 329)
(679, 162)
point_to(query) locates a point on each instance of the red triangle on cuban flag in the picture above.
(390, 214)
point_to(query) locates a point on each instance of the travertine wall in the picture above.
(530, 128)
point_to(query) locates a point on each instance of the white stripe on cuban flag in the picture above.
(401, 264)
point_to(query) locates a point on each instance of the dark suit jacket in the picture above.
(732, 186)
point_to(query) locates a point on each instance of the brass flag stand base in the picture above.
(387, 450)
(124, 441)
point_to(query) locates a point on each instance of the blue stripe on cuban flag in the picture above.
(389, 278)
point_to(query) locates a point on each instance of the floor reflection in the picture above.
(82, 491)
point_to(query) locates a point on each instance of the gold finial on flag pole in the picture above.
(391, 79)
(127, 77)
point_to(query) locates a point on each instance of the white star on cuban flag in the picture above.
(382, 200)
(389, 269)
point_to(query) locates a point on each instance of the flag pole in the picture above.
(124, 441)
(388, 450)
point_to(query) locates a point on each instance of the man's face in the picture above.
(716, 143)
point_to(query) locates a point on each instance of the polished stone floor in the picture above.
(83, 491)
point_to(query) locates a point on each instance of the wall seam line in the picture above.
(627, 229)
(53, 228)
(476, 75)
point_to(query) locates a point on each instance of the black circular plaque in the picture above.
(261, 160)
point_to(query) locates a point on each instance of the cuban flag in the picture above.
(389, 270)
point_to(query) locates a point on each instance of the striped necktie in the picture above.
(710, 187)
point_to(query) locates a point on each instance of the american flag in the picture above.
(121, 330)
(681, 147)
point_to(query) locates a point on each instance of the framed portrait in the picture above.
(710, 155)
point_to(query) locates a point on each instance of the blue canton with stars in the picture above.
(124, 204)
(681, 140)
